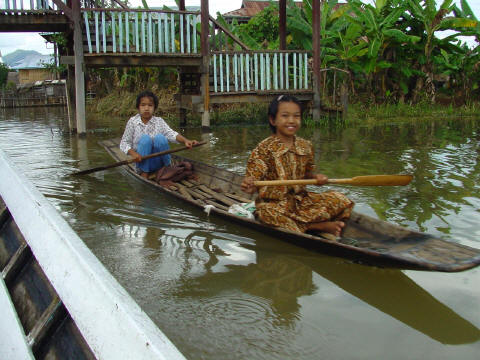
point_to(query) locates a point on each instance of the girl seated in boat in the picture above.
(146, 134)
(284, 156)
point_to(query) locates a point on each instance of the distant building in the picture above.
(248, 10)
(30, 69)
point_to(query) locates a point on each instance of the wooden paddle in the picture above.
(368, 180)
(125, 162)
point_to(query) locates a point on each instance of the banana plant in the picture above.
(379, 24)
(433, 20)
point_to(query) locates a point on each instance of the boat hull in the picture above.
(364, 239)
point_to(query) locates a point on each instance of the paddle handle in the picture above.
(285, 182)
(368, 180)
(165, 152)
(129, 161)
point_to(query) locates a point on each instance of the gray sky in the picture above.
(9, 42)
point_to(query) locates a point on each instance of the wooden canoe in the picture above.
(365, 239)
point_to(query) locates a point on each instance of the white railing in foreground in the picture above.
(110, 321)
(279, 70)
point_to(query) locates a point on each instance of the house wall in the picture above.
(31, 75)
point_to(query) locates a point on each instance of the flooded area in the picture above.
(219, 290)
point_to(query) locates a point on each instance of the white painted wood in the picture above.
(255, 58)
(235, 71)
(114, 37)
(97, 33)
(262, 72)
(248, 66)
(127, 32)
(275, 72)
(137, 36)
(215, 79)
(160, 34)
(267, 72)
(305, 57)
(286, 72)
(150, 33)
(104, 33)
(167, 38)
(120, 32)
(281, 70)
(295, 71)
(195, 50)
(220, 68)
(87, 31)
(182, 39)
(13, 343)
(227, 69)
(172, 31)
(189, 21)
(113, 325)
(241, 73)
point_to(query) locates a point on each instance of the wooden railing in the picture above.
(145, 31)
(235, 71)
(32, 5)
(152, 31)
(50, 5)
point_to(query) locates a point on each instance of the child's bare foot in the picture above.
(331, 227)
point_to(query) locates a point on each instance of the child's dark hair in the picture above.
(273, 107)
(147, 94)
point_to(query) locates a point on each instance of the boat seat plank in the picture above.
(46, 324)
(16, 263)
(217, 205)
(187, 183)
(183, 190)
(238, 198)
(217, 196)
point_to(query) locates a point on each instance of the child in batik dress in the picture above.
(285, 156)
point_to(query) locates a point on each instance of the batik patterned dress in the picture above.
(292, 207)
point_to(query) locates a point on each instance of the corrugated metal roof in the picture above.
(31, 62)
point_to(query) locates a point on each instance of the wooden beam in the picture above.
(34, 23)
(282, 28)
(205, 17)
(79, 71)
(316, 58)
(66, 10)
(226, 31)
(135, 59)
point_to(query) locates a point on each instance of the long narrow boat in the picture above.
(364, 238)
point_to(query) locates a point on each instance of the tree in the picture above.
(3, 75)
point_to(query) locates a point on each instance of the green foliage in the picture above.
(3, 75)
(263, 27)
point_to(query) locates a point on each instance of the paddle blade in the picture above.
(375, 180)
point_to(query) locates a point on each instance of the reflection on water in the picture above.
(221, 291)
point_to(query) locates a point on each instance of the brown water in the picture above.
(220, 291)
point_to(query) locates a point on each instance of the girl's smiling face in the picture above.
(288, 120)
(146, 108)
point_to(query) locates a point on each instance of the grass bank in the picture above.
(122, 104)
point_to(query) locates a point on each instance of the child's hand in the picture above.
(248, 186)
(321, 179)
(136, 156)
(190, 143)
